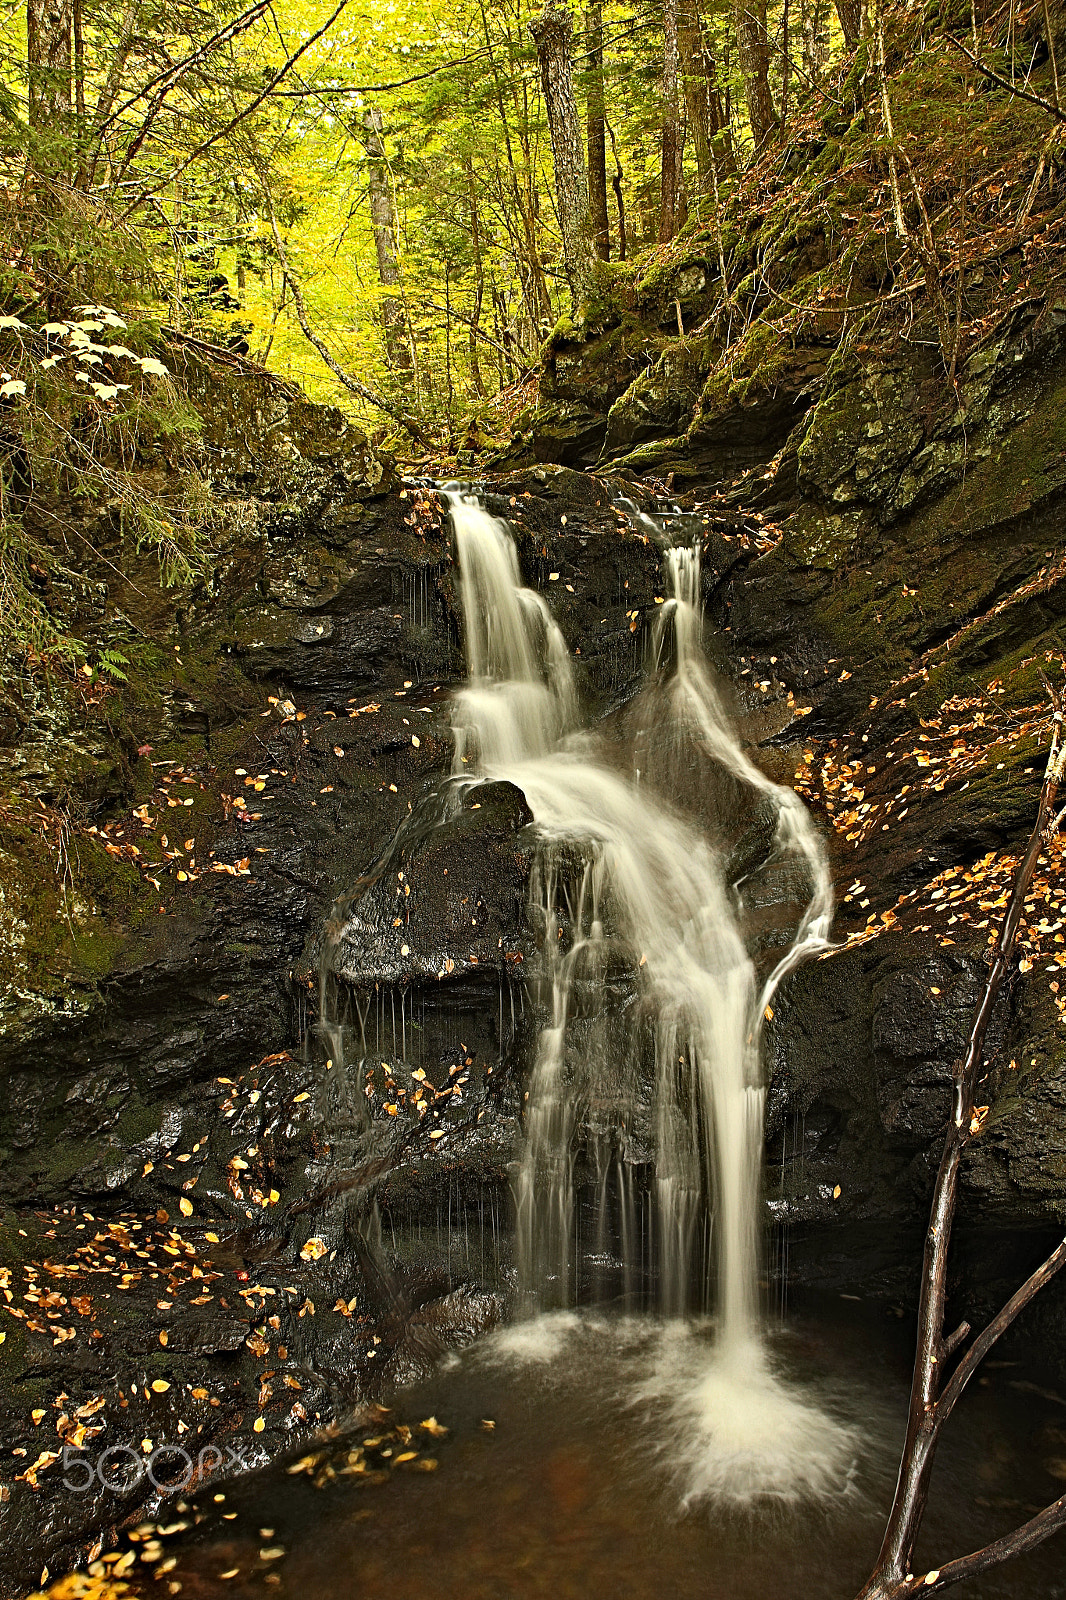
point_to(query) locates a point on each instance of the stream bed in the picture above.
(568, 1456)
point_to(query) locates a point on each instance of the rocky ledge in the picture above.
(209, 1223)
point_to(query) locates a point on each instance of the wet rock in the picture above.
(315, 657)
(449, 899)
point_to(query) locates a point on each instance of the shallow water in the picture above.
(589, 1454)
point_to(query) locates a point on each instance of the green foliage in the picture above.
(84, 415)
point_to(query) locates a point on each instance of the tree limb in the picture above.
(240, 116)
(353, 385)
(1000, 1323)
(1005, 83)
(1030, 1534)
(170, 74)
(933, 1394)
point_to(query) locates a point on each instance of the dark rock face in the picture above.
(406, 924)
(182, 1023)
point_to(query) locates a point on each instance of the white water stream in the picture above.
(624, 881)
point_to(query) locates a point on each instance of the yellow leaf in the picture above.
(185, 1206)
(160, 1385)
(258, 1425)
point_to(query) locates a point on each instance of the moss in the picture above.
(684, 279)
(746, 368)
(608, 296)
(137, 1121)
(594, 372)
(1022, 469)
(95, 951)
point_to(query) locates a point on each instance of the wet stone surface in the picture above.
(165, 996)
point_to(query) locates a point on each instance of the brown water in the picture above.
(569, 1465)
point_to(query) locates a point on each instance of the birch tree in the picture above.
(553, 35)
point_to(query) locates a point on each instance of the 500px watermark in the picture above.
(169, 1468)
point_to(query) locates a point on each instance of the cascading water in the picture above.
(638, 885)
(632, 894)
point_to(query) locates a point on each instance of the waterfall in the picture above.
(625, 881)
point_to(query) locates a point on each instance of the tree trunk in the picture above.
(815, 39)
(531, 270)
(383, 222)
(479, 283)
(755, 66)
(49, 27)
(850, 14)
(616, 185)
(703, 98)
(103, 142)
(597, 135)
(80, 128)
(553, 34)
(671, 168)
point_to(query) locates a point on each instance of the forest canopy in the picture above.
(195, 165)
(408, 209)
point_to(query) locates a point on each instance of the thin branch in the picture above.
(177, 69)
(1005, 83)
(996, 1328)
(353, 385)
(241, 115)
(1027, 1537)
(486, 338)
(311, 91)
(931, 1404)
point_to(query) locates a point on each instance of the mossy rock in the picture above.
(594, 372)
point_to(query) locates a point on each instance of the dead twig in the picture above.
(935, 1386)
(1005, 83)
(353, 385)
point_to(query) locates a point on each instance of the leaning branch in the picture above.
(353, 385)
(934, 1389)
(164, 81)
(996, 1329)
(1004, 83)
(240, 116)
(1027, 1537)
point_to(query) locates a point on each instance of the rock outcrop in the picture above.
(204, 919)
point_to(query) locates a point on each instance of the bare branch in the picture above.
(353, 385)
(1030, 1534)
(1005, 83)
(169, 75)
(932, 1394)
(996, 1328)
(240, 116)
